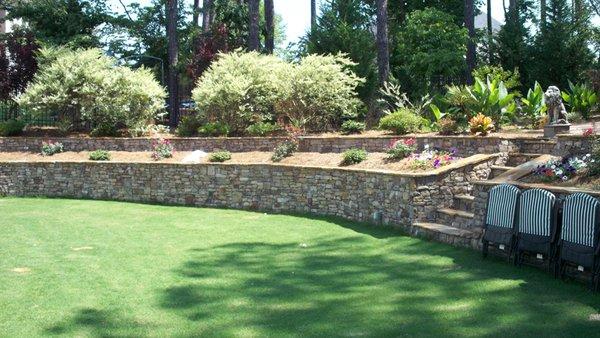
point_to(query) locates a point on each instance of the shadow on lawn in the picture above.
(97, 323)
(368, 286)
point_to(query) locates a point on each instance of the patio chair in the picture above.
(578, 244)
(537, 226)
(500, 218)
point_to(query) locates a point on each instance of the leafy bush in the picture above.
(322, 90)
(481, 125)
(240, 88)
(86, 86)
(352, 127)
(401, 149)
(262, 129)
(447, 126)
(533, 107)
(149, 130)
(100, 155)
(11, 128)
(460, 101)
(353, 156)
(214, 129)
(403, 121)
(220, 156)
(162, 149)
(511, 79)
(50, 148)
(285, 149)
(581, 99)
(188, 126)
(492, 99)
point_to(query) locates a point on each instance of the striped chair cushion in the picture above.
(502, 205)
(535, 212)
(579, 219)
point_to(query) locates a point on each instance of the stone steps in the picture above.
(446, 234)
(463, 202)
(499, 170)
(516, 159)
(455, 218)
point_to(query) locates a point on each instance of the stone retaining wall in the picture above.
(377, 197)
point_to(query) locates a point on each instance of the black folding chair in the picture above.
(500, 219)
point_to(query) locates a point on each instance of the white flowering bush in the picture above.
(86, 87)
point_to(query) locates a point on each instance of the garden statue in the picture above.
(557, 114)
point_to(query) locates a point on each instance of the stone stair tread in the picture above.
(454, 212)
(465, 197)
(523, 169)
(502, 167)
(447, 230)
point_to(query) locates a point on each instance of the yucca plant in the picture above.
(581, 99)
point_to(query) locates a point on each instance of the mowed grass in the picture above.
(109, 269)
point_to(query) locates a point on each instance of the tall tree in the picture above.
(270, 26)
(313, 14)
(206, 15)
(543, 13)
(490, 31)
(383, 53)
(196, 13)
(173, 59)
(470, 25)
(253, 24)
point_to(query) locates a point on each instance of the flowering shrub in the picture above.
(50, 148)
(588, 132)
(400, 149)
(563, 169)
(162, 149)
(433, 158)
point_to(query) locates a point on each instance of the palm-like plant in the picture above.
(533, 106)
(492, 99)
(581, 99)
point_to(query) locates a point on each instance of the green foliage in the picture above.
(262, 129)
(492, 99)
(511, 79)
(214, 129)
(285, 149)
(188, 126)
(448, 126)
(460, 101)
(481, 125)
(50, 148)
(401, 149)
(533, 107)
(352, 127)
(353, 156)
(594, 164)
(241, 88)
(100, 155)
(11, 128)
(581, 99)
(220, 156)
(86, 86)
(401, 122)
(431, 46)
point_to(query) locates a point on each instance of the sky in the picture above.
(296, 14)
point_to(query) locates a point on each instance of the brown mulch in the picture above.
(376, 161)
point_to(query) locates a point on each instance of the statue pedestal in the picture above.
(552, 130)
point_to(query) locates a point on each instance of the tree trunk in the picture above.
(173, 56)
(253, 13)
(196, 13)
(490, 30)
(543, 13)
(206, 15)
(313, 15)
(470, 24)
(383, 53)
(270, 29)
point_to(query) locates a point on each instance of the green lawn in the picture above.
(103, 269)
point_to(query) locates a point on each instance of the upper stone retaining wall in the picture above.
(466, 145)
(360, 195)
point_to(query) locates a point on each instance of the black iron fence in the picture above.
(11, 111)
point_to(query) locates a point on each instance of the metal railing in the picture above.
(11, 111)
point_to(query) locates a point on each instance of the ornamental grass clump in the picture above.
(352, 127)
(99, 155)
(354, 156)
(220, 156)
(162, 149)
(563, 169)
(400, 149)
(50, 148)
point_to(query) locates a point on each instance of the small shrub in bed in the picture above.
(447, 126)
(352, 127)
(262, 129)
(403, 121)
(220, 156)
(188, 126)
(100, 155)
(214, 129)
(50, 148)
(354, 156)
(162, 149)
(481, 125)
(401, 149)
(11, 128)
(284, 149)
